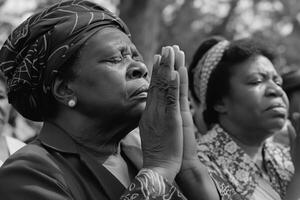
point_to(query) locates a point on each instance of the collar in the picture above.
(56, 138)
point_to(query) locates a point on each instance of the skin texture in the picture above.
(255, 95)
(110, 90)
(110, 75)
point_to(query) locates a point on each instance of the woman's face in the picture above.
(256, 101)
(4, 106)
(112, 80)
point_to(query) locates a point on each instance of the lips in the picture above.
(276, 106)
(141, 91)
(277, 109)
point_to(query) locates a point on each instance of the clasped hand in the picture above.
(167, 116)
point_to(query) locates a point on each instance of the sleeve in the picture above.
(148, 184)
(30, 178)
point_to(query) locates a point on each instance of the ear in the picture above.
(62, 91)
(222, 106)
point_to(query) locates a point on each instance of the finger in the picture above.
(172, 96)
(184, 103)
(157, 60)
(167, 61)
(189, 139)
(296, 123)
(179, 57)
(176, 51)
(291, 131)
(153, 81)
(292, 136)
(183, 99)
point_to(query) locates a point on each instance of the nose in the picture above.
(137, 70)
(274, 90)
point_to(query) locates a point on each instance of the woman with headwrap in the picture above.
(243, 104)
(74, 67)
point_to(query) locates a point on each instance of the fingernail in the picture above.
(176, 46)
(166, 52)
(162, 50)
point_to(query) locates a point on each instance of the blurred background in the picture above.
(155, 23)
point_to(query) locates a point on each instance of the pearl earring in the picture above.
(71, 103)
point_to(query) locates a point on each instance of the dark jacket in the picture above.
(55, 167)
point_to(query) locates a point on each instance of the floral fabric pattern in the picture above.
(233, 171)
(151, 185)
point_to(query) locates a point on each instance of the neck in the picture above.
(99, 138)
(253, 151)
(248, 140)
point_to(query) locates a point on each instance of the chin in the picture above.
(137, 111)
(276, 125)
(139, 108)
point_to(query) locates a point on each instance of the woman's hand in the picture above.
(189, 140)
(293, 192)
(161, 123)
(193, 178)
(294, 137)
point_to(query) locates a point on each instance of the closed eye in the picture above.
(114, 60)
(255, 82)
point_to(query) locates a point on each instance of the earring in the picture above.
(71, 103)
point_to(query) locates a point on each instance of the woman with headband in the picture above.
(74, 67)
(243, 103)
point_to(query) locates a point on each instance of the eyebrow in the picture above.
(266, 74)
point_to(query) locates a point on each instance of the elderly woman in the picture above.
(74, 67)
(239, 91)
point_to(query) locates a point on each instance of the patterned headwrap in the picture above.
(205, 67)
(36, 50)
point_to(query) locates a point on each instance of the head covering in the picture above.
(291, 80)
(205, 67)
(36, 50)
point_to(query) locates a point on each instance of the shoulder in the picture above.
(32, 157)
(33, 173)
(28, 154)
(278, 152)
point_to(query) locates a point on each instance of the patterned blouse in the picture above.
(236, 176)
(150, 185)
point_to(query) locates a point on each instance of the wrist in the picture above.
(166, 168)
(166, 173)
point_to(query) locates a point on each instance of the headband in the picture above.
(205, 67)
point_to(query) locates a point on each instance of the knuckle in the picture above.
(171, 100)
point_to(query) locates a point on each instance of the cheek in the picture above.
(248, 99)
(5, 106)
(286, 100)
